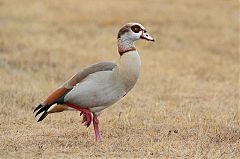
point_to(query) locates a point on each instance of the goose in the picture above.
(100, 85)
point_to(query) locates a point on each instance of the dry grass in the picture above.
(186, 103)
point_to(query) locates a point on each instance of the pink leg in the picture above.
(96, 128)
(87, 114)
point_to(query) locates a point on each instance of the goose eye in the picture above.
(136, 28)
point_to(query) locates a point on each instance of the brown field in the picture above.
(185, 104)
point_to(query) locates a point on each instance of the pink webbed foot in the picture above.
(87, 118)
(87, 114)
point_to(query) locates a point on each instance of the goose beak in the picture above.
(146, 36)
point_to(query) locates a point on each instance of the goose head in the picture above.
(130, 33)
(133, 32)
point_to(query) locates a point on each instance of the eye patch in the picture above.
(136, 28)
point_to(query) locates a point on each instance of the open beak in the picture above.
(146, 36)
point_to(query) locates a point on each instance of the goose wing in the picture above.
(58, 94)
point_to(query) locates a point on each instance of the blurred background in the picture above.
(185, 104)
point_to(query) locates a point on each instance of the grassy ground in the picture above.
(185, 105)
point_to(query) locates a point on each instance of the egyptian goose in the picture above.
(99, 85)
